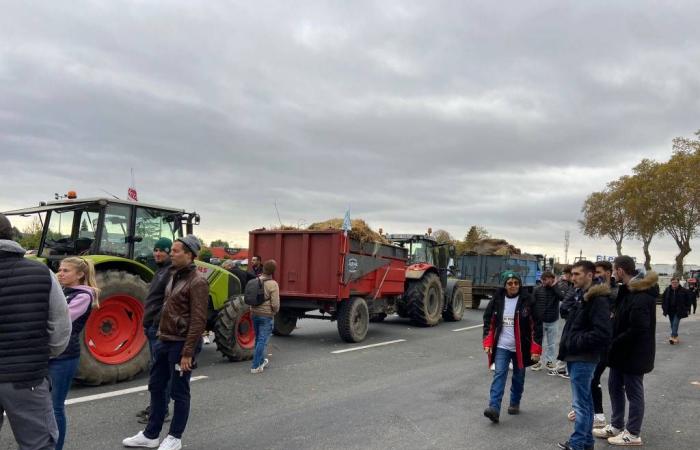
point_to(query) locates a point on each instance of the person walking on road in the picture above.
(547, 300)
(77, 276)
(676, 305)
(35, 326)
(182, 322)
(512, 334)
(263, 315)
(565, 288)
(154, 305)
(585, 338)
(632, 351)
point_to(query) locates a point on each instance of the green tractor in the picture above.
(118, 236)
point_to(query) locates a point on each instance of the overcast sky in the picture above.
(415, 114)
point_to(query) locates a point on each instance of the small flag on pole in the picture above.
(347, 223)
(131, 193)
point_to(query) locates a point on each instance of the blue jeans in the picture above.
(61, 372)
(263, 329)
(164, 376)
(502, 358)
(675, 321)
(581, 373)
(551, 331)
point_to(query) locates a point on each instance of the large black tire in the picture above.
(231, 323)
(476, 301)
(284, 323)
(353, 319)
(402, 309)
(93, 372)
(377, 318)
(425, 300)
(454, 311)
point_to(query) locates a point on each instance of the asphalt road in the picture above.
(426, 392)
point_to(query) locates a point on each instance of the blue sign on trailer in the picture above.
(486, 270)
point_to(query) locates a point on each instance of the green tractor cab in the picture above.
(118, 236)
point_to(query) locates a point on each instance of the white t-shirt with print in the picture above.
(506, 340)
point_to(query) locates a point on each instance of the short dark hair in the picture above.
(626, 263)
(269, 267)
(605, 265)
(587, 266)
(547, 274)
(5, 228)
(675, 279)
(566, 269)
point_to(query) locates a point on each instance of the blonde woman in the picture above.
(77, 277)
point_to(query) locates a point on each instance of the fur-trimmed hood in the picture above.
(643, 283)
(598, 290)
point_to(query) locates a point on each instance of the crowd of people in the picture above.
(609, 313)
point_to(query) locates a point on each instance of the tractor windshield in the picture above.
(420, 252)
(151, 225)
(116, 230)
(70, 232)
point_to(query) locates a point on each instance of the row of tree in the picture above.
(658, 198)
(474, 235)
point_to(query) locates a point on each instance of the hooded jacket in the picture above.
(588, 329)
(633, 346)
(528, 329)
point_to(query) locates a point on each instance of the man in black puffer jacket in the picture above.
(547, 298)
(632, 351)
(585, 338)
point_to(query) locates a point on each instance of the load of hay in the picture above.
(490, 246)
(360, 230)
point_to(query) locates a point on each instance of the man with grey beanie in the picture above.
(35, 327)
(182, 322)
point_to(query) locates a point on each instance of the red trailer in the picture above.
(344, 279)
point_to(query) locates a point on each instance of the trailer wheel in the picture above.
(112, 344)
(353, 319)
(425, 300)
(233, 330)
(284, 324)
(455, 309)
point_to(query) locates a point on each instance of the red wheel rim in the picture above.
(245, 333)
(114, 331)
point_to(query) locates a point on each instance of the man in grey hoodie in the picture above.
(36, 326)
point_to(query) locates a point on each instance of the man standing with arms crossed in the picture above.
(585, 338)
(182, 323)
(632, 351)
(35, 326)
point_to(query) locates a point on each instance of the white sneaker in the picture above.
(265, 363)
(608, 431)
(170, 443)
(140, 441)
(625, 439)
(257, 370)
(599, 421)
(536, 367)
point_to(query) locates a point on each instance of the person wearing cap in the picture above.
(182, 322)
(512, 334)
(154, 301)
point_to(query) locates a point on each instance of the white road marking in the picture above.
(468, 328)
(369, 346)
(90, 398)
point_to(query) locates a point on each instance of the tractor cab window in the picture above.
(116, 230)
(421, 253)
(59, 233)
(151, 225)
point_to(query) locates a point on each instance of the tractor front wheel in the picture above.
(454, 311)
(353, 319)
(425, 300)
(112, 344)
(234, 334)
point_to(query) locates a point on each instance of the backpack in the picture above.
(254, 292)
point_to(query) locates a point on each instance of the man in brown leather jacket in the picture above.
(182, 323)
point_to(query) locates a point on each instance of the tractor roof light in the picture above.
(71, 195)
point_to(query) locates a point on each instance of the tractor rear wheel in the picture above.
(234, 334)
(285, 322)
(425, 300)
(112, 344)
(454, 311)
(353, 319)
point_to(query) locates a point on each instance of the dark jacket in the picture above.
(184, 314)
(528, 329)
(547, 303)
(588, 330)
(676, 302)
(156, 294)
(73, 349)
(633, 346)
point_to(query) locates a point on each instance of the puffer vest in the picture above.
(73, 348)
(25, 289)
